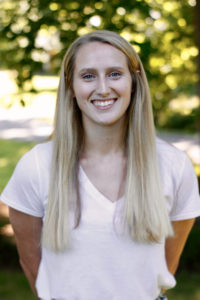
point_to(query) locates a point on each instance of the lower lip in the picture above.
(104, 107)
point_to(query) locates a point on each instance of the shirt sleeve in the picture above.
(187, 201)
(23, 189)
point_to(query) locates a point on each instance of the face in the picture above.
(102, 83)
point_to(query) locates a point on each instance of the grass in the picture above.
(187, 288)
(10, 153)
(14, 286)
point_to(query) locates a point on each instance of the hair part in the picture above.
(145, 213)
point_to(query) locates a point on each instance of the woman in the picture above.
(109, 194)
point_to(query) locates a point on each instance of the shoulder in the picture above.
(41, 150)
(27, 188)
(173, 164)
(38, 156)
(168, 152)
(32, 170)
(171, 159)
(179, 182)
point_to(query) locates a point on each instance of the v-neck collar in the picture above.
(95, 191)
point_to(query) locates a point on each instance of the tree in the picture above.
(35, 34)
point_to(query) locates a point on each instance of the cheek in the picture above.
(124, 90)
(82, 104)
(124, 86)
(81, 91)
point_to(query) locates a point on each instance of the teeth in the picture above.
(103, 103)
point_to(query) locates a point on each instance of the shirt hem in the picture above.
(186, 216)
(20, 208)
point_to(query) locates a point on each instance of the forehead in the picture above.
(99, 54)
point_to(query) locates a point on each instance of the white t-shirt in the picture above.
(101, 263)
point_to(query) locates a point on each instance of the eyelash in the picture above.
(114, 75)
(88, 76)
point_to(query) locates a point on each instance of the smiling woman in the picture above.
(104, 196)
(102, 84)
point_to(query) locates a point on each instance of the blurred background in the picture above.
(34, 36)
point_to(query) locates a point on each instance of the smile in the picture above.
(103, 103)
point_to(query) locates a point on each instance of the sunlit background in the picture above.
(34, 36)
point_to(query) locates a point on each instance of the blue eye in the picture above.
(115, 74)
(88, 76)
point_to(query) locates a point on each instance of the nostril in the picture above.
(103, 94)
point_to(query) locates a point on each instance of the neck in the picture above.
(102, 140)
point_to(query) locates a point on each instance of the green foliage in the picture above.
(187, 288)
(35, 35)
(14, 286)
(9, 257)
(190, 258)
(10, 153)
(180, 121)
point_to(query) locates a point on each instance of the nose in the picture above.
(102, 88)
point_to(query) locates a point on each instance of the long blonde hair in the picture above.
(145, 213)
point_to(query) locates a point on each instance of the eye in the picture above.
(88, 76)
(115, 74)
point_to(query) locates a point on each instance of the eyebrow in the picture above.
(93, 70)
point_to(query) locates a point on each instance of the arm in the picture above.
(27, 231)
(174, 245)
